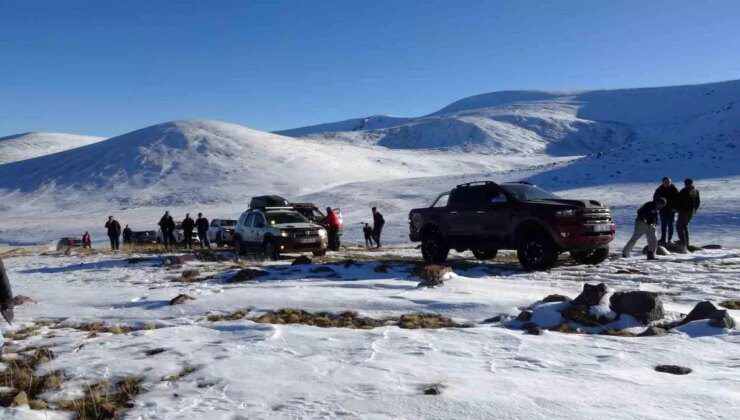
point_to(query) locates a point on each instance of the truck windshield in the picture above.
(524, 192)
(285, 217)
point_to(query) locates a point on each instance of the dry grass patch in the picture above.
(19, 376)
(418, 321)
(731, 304)
(105, 401)
(233, 316)
(351, 319)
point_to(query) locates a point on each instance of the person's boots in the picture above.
(651, 256)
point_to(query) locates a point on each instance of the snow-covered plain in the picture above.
(613, 146)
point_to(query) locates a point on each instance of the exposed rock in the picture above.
(247, 274)
(591, 295)
(209, 255)
(673, 369)
(21, 300)
(712, 247)
(382, 268)
(170, 261)
(434, 275)
(153, 352)
(524, 316)
(580, 314)
(730, 304)
(38, 404)
(652, 332)
(536, 330)
(555, 298)
(676, 248)
(302, 260)
(492, 320)
(645, 306)
(693, 248)
(190, 275)
(181, 298)
(432, 390)
(721, 319)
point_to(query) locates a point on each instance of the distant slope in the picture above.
(355, 124)
(30, 145)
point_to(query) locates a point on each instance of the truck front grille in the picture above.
(594, 216)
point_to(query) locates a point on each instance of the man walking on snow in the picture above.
(668, 213)
(114, 232)
(688, 205)
(647, 217)
(201, 223)
(188, 225)
(378, 223)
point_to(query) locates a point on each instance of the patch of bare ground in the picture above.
(730, 304)
(103, 400)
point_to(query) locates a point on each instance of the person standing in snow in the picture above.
(378, 223)
(167, 225)
(6, 296)
(647, 217)
(86, 241)
(188, 225)
(114, 232)
(331, 222)
(688, 205)
(127, 236)
(201, 223)
(368, 231)
(668, 213)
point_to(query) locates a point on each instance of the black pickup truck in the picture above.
(485, 217)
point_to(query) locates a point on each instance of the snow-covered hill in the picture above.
(30, 145)
(373, 122)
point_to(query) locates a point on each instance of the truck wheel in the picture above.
(591, 256)
(484, 254)
(219, 241)
(271, 251)
(434, 249)
(537, 253)
(320, 253)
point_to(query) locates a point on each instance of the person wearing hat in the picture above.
(688, 205)
(647, 217)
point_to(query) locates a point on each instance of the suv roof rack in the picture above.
(266, 208)
(474, 183)
(519, 182)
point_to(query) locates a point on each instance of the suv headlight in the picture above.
(322, 233)
(566, 213)
(284, 234)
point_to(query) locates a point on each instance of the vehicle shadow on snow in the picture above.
(97, 265)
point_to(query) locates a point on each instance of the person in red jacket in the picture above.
(331, 222)
(86, 241)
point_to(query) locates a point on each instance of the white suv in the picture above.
(221, 231)
(276, 230)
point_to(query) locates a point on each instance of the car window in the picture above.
(259, 221)
(285, 217)
(441, 201)
(228, 222)
(526, 192)
(248, 220)
(470, 197)
(214, 222)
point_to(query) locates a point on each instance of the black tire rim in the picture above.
(534, 252)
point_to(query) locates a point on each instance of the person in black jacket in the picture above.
(668, 213)
(201, 223)
(6, 296)
(647, 217)
(378, 223)
(127, 236)
(188, 225)
(688, 205)
(114, 232)
(167, 225)
(368, 231)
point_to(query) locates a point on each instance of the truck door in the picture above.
(494, 218)
(258, 231)
(462, 214)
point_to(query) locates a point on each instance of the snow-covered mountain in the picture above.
(30, 145)
(373, 122)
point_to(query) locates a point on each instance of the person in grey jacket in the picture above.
(647, 217)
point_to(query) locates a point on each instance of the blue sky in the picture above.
(105, 67)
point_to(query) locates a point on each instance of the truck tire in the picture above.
(219, 241)
(592, 256)
(537, 252)
(484, 254)
(270, 250)
(434, 248)
(320, 253)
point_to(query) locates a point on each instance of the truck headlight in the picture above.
(566, 213)
(322, 233)
(284, 234)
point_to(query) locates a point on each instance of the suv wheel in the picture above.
(537, 253)
(592, 256)
(237, 246)
(271, 250)
(219, 241)
(434, 248)
(484, 253)
(320, 253)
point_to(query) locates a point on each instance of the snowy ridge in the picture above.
(30, 145)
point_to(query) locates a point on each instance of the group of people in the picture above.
(372, 234)
(114, 232)
(189, 227)
(668, 202)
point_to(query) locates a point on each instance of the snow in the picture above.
(611, 146)
(30, 145)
